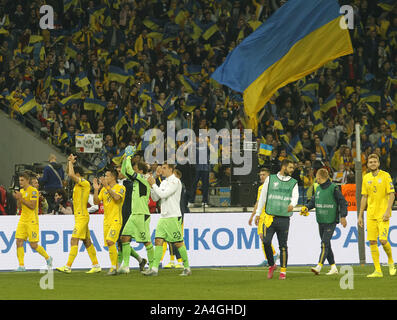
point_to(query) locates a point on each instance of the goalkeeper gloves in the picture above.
(130, 151)
(304, 211)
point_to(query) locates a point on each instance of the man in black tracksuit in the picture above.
(330, 205)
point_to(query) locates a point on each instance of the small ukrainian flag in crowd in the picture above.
(265, 149)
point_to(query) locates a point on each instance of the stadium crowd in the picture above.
(120, 67)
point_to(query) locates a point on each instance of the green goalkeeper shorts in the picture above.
(170, 229)
(137, 227)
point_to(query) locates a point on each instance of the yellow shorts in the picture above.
(261, 225)
(111, 232)
(27, 231)
(377, 228)
(80, 230)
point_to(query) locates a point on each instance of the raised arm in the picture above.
(96, 186)
(165, 190)
(72, 175)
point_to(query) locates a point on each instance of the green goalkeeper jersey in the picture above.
(140, 190)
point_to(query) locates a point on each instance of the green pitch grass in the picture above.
(248, 283)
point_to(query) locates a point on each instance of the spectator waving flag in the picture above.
(296, 40)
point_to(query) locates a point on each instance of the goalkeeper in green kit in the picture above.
(138, 224)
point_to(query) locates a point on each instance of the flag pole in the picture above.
(359, 178)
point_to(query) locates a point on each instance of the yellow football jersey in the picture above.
(81, 192)
(264, 217)
(257, 199)
(112, 208)
(30, 215)
(377, 189)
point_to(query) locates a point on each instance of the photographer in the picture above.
(61, 204)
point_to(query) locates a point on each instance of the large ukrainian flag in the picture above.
(296, 40)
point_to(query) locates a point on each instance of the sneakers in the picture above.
(49, 262)
(316, 270)
(142, 264)
(204, 204)
(282, 276)
(94, 269)
(271, 271)
(150, 273)
(112, 272)
(392, 269)
(186, 272)
(375, 274)
(334, 270)
(20, 269)
(124, 270)
(190, 205)
(170, 265)
(64, 269)
(179, 266)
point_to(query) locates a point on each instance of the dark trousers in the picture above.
(49, 195)
(280, 227)
(204, 176)
(326, 231)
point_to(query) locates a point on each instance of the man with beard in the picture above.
(279, 196)
(378, 193)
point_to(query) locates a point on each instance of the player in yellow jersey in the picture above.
(263, 174)
(28, 226)
(112, 195)
(81, 192)
(378, 193)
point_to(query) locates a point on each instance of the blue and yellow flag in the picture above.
(118, 159)
(28, 104)
(119, 75)
(372, 96)
(71, 50)
(329, 103)
(265, 149)
(318, 125)
(316, 112)
(75, 98)
(296, 40)
(95, 104)
(296, 145)
(82, 80)
(120, 124)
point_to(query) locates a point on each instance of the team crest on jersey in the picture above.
(275, 184)
(380, 181)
